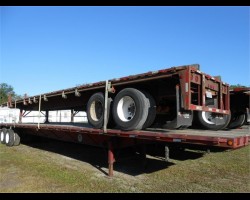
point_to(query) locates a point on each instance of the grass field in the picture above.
(53, 166)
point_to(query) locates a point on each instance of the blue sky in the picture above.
(50, 48)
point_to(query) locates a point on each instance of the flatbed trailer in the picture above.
(171, 97)
(132, 110)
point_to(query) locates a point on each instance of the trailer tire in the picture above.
(247, 119)
(2, 135)
(9, 138)
(205, 120)
(151, 110)
(17, 139)
(95, 110)
(237, 120)
(130, 109)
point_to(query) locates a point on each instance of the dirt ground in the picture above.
(55, 166)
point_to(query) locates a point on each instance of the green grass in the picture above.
(215, 172)
(28, 169)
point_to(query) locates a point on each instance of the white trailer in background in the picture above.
(8, 115)
(11, 115)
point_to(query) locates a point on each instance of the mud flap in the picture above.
(184, 118)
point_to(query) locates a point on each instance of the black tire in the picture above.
(247, 120)
(205, 120)
(95, 110)
(16, 139)
(227, 121)
(237, 120)
(2, 135)
(9, 138)
(130, 109)
(151, 110)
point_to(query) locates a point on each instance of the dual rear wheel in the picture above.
(207, 120)
(9, 137)
(237, 120)
(132, 109)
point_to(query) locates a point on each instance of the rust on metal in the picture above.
(111, 158)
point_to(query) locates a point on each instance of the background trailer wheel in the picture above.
(210, 120)
(237, 120)
(95, 110)
(2, 135)
(130, 109)
(9, 138)
(16, 139)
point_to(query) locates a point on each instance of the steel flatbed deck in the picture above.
(73, 131)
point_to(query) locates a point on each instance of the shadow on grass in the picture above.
(128, 160)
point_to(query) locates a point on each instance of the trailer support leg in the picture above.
(111, 158)
(166, 153)
(143, 155)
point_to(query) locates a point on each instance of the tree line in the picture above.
(5, 90)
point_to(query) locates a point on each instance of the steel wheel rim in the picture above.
(96, 110)
(126, 109)
(2, 136)
(7, 138)
(207, 117)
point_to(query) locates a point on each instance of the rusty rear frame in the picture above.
(196, 85)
